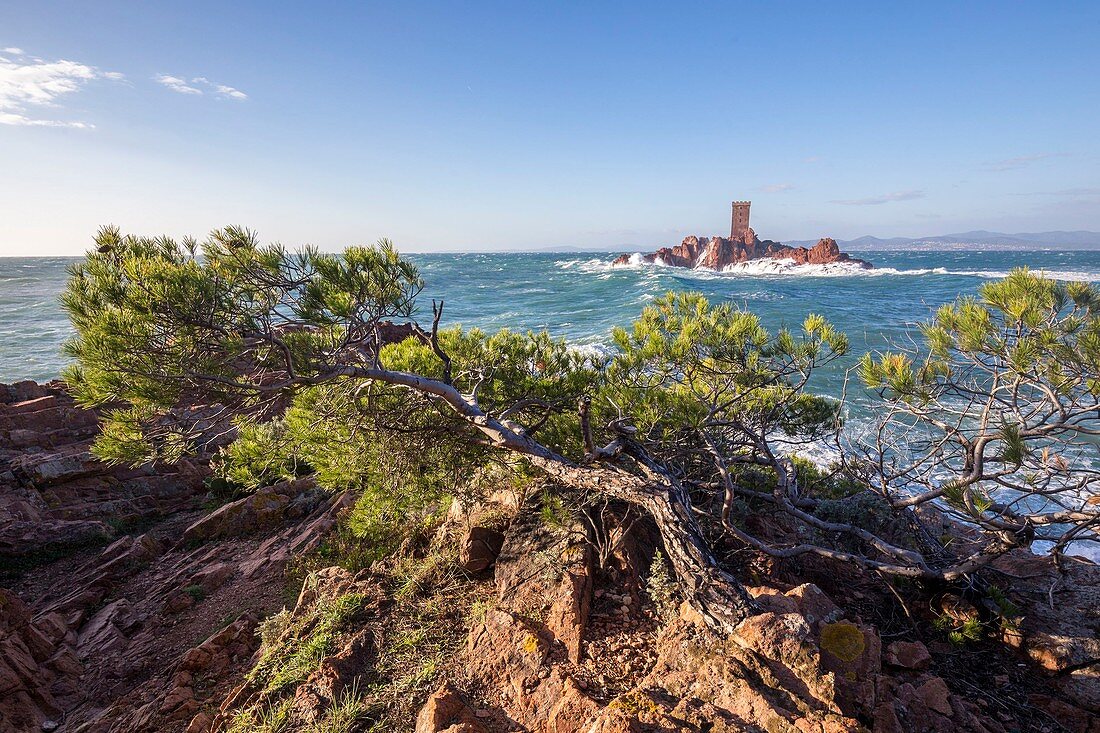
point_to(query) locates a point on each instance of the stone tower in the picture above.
(740, 225)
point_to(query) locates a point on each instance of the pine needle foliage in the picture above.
(997, 413)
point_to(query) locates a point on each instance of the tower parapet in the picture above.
(739, 227)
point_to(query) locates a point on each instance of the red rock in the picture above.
(444, 708)
(264, 508)
(479, 548)
(775, 636)
(465, 727)
(200, 723)
(908, 654)
(211, 577)
(770, 599)
(814, 604)
(175, 698)
(936, 696)
(103, 632)
(717, 253)
(195, 659)
(568, 615)
(26, 698)
(1070, 717)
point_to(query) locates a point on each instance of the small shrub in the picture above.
(1003, 605)
(348, 709)
(637, 703)
(220, 491)
(274, 717)
(825, 484)
(661, 587)
(196, 592)
(272, 628)
(416, 576)
(959, 632)
(296, 652)
(479, 611)
(553, 512)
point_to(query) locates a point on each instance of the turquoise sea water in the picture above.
(581, 297)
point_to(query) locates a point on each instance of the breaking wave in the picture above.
(789, 268)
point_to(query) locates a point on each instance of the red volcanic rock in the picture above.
(479, 548)
(716, 253)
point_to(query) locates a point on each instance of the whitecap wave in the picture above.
(595, 350)
(789, 268)
(1077, 275)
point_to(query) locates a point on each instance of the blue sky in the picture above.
(528, 125)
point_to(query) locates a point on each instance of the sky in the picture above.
(522, 125)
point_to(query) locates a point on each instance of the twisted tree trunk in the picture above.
(714, 593)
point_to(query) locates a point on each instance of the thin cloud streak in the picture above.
(177, 84)
(885, 198)
(777, 187)
(1020, 161)
(231, 92)
(197, 85)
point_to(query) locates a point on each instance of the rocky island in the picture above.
(718, 253)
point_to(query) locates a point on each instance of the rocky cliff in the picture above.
(148, 601)
(717, 253)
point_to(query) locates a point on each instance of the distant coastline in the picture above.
(1056, 241)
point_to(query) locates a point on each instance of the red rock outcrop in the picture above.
(113, 575)
(54, 493)
(33, 669)
(156, 631)
(718, 253)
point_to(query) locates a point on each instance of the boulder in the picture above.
(908, 655)
(479, 549)
(1059, 626)
(935, 696)
(265, 508)
(445, 709)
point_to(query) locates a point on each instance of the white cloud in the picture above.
(177, 84)
(19, 120)
(12, 50)
(230, 92)
(200, 85)
(777, 187)
(882, 199)
(30, 82)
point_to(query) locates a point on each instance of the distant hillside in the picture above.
(981, 238)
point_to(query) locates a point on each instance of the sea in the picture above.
(582, 297)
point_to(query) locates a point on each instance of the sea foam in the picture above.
(768, 267)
